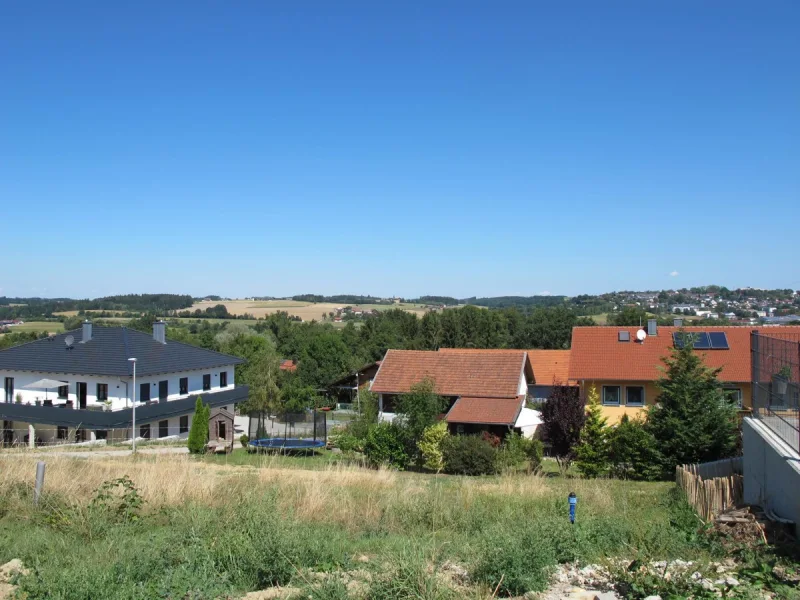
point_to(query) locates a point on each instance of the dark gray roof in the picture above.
(107, 353)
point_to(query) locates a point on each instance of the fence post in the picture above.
(37, 490)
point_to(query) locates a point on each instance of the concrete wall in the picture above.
(771, 471)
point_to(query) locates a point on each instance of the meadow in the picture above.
(49, 326)
(189, 528)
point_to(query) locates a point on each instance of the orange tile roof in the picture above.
(492, 411)
(598, 355)
(476, 374)
(287, 364)
(549, 366)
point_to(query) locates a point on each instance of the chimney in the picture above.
(87, 331)
(652, 327)
(677, 322)
(160, 332)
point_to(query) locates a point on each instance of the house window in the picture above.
(183, 424)
(734, 395)
(184, 386)
(163, 390)
(101, 434)
(634, 395)
(63, 392)
(102, 392)
(611, 395)
(9, 387)
(144, 392)
(206, 382)
(61, 433)
(223, 379)
(163, 428)
(144, 431)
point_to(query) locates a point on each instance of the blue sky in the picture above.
(459, 148)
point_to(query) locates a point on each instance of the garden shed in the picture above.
(220, 430)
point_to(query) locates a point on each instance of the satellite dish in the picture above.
(641, 335)
(69, 340)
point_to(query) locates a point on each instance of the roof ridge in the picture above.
(171, 341)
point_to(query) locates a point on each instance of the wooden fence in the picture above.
(712, 488)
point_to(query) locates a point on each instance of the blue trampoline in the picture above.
(287, 444)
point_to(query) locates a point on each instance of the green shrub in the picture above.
(633, 452)
(386, 446)
(348, 443)
(120, 498)
(244, 440)
(431, 446)
(469, 455)
(518, 451)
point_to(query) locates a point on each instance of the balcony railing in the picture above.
(776, 385)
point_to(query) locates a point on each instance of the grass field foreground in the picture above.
(209, 530)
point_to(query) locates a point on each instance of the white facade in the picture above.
(119, 389)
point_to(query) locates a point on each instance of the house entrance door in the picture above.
(80, 392)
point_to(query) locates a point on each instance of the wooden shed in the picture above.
(220, 430)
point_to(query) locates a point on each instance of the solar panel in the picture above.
(719, 341)
(701, 341)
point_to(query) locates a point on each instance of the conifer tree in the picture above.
(591, 454)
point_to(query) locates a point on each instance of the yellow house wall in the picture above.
(614, 413)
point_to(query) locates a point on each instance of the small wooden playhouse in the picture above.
(220, 430)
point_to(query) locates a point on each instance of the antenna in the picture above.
(641, 335)
(69, 340)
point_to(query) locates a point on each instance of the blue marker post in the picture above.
(573, 503)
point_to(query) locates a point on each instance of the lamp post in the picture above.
(358, 395)
(133, 419)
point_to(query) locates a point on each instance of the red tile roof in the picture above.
(475, 374)
(549, 366)
(598, 355)
(288, 364)
(492, 411)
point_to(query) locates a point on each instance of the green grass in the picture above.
(277, 524)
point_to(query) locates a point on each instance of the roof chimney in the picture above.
(160, 332)
(652, 327)
(87, 331)
(677, 322)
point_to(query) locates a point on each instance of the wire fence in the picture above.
(45, 436)
(776, 385)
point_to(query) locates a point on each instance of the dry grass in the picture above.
(351, 496)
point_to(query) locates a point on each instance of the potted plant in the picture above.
(780, 380)
(107, 405)
(38, 402)
(18, 398)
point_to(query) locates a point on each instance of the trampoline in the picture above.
(287, 444)
(312, 425)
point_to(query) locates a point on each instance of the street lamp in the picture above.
(133, 421)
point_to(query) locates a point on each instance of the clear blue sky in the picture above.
(458, 148)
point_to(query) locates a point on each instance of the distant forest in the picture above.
(25, 308)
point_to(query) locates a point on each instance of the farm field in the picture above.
(49, 326)
(305, 310)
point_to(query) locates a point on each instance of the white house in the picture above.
(91, 372)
